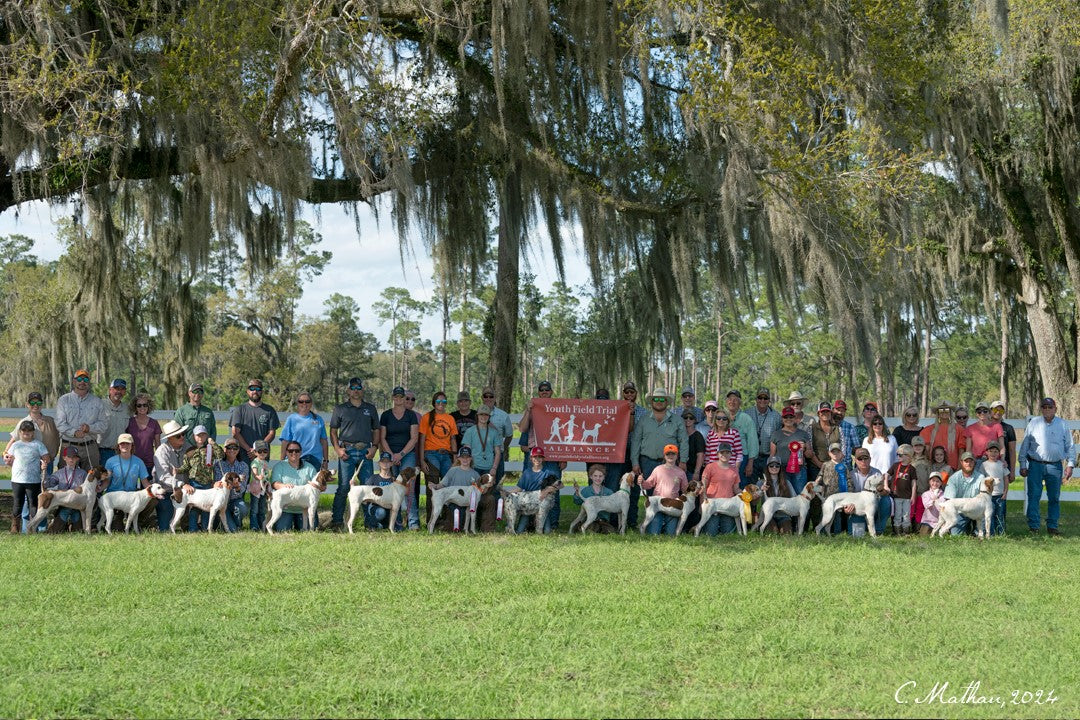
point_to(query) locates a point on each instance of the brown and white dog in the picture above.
(82, 498)
(531, 502)
(459, 496)
(392, 496)
(732, 507)
(795, 507)
(679, 507)
(979, 508)
(212, 500)
(618, 503)
(298, 497)
(865, 502)
(131, 502)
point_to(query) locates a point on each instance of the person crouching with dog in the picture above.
(67, 477)
(198, 466)
(667, 481)
(720, 480)
(167, 461)
(597, 474)
(532, 479)
(460, 475)
(834, 479)
(774, 484)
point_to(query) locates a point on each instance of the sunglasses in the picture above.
(686, 395)
(355, 387)
(981, 412)
(255, 388)
(233, 447)
(487, 395)
(440, 402)
(35, 403)
(862, 457)
(303, 402)
(722, 417)
(961, 417)
(659, 399)
(293, 451)
(410, 399)
(762, 397)
(797, 403)
(139, 405)
(630, 392)
(879, 424)
(262, 452)
(776, 465)
(710, 409)
(914, 415)
(83, 378)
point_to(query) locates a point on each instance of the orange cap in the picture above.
(671, 449)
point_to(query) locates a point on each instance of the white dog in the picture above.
(82, 498)
(531, 502)
(298, 497)
(618, 503)
(865, 503)
(798, 506)
(979, 508)
(460, 496)
(392, 496)
(131, 502)
(212, 500)
(679, 507)
(732, 507)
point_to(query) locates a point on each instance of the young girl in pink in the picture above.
(929, 502)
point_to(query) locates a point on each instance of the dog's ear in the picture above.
(408, 473)
(45, 499)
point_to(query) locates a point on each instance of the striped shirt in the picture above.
(712, 442)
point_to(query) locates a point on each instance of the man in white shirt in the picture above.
(80, 418)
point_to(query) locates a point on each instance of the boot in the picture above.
(15, 525)
(72, 527)
(56, 527)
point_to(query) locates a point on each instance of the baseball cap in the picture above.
(118, 383)
(688, 391)
(982, 406)
(200, 430)
(937, 475)
(871, 405)
(917, 440)
(688, 414)
(398, 391)
(230, 442)
(34, 396)
(835, 446)
(464, 451)
(195, 388)
(81, 373)
(861, 453)
(764, 391)
(483, 410)
(628, 385)
(386, 458)
(787, 412)
(773, 460)
(905, 449)
(70, 450)
(537, 452)
(967, 456)
(824, 407)
(603, 394)
(125, 438)
(260, 445)
(997, 404)
(543, 385)
(464, 395)
(723, 447)
(712, 404)
(28, 426)
(736, 393)
(671, 449)
(993, 444)
(1047, 402)
(357, 382)
(839, 405)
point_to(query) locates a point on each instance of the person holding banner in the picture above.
(528, 437)
(652, 433)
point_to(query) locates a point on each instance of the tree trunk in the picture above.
(925, 389)
(719, 350)
(1003, 375)
(461, 357)
(507, 281)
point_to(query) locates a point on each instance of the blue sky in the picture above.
(362, 266)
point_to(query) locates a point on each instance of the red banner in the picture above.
(581, 430)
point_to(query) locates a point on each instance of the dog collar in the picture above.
(623, 490)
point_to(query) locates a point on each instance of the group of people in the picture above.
(720, 449)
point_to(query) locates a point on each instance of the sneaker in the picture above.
(1033, 531)
(333, 527)
(1053, 531)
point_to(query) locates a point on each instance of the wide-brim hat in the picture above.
(661, 392)
(943, 405)
(172, 428)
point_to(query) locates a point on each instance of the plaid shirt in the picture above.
(849, 439)
(765, 425)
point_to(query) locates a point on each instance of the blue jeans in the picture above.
(743, 480)
(662, 523)
(289, 521)
(961, 526)
(409, 460)
(194, 516)
(524, 521)
(719, 524)
(257, 512)
(552, 522)
(1038, 474)
(797, 481)
(613, 473)
(234, 514)
(760, 465)
(881, 517)
(164, 512)
(997, 520)
(354, 458)
(647, 465)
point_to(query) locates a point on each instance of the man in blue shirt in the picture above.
(1047, 443)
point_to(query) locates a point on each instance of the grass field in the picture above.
(373, 625)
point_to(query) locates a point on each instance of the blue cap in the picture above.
(357, 382)
(119, 383)
(397, 391)
(465, 451)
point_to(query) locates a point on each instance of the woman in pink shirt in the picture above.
(667, 480)
(983, 432)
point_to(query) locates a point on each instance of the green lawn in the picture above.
(373, 625)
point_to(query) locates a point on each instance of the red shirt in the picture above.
(721, 481)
